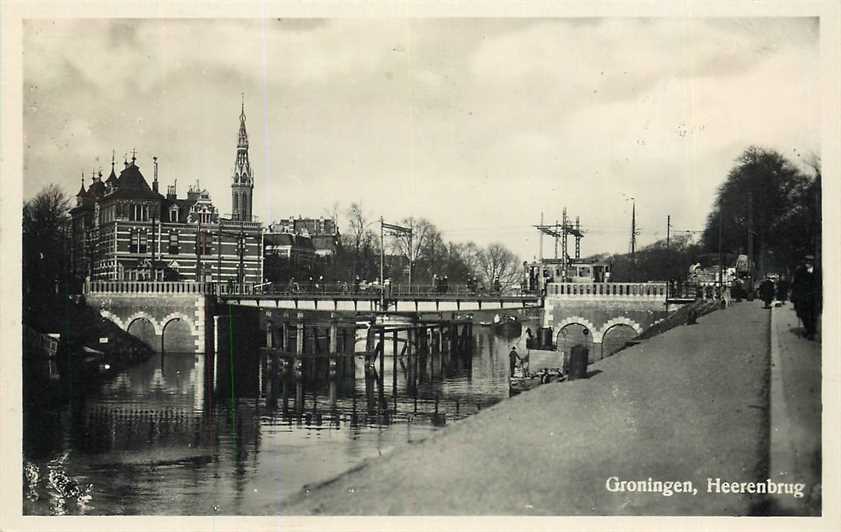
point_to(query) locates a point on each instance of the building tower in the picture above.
(242, 187)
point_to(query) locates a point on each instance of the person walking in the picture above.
(513, 358)
(766, 291)
(782, 289)
(804, 295)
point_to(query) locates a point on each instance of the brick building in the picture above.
(123, 228)
(323, 232)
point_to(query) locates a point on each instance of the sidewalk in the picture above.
(688, 405)
(795, 413)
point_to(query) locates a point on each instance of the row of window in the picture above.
(139, 242)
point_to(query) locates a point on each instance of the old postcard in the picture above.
(300, 262)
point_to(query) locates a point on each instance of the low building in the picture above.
(323, 232)
(297, 249)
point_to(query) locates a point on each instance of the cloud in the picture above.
(477, 123)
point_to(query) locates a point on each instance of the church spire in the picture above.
(243, 135)
(242, 184)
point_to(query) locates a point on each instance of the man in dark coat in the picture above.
(513, 358)
(804, 295)
(766, 291)
(782, 289)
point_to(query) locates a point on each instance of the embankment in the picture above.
(686, 406)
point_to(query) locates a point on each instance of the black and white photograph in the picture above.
(497, 265)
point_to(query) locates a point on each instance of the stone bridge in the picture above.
(611, 313)
(169, 316)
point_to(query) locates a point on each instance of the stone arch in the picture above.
(144, 315)
(107, 314)
(178, 315)
(144, 329)
(620, 320)
(580, 321)
(616, 335)
(178, 334)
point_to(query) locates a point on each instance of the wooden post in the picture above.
(381, 383)
(299, 336)
(299, 385)
(333, 348)
(284, 330)
(394, 369)
(410, 360)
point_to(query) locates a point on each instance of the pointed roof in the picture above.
(132, 184)
(243, 134)
(82, 193)
(112, 177)
(242, 166)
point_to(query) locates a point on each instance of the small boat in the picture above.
(507, 326)
(519, 383)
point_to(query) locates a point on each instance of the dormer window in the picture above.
(138, 213)
(173, 213)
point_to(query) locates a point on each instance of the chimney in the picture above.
(155, 180)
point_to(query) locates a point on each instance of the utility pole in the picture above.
(198, 249)
(564, 245)
(720, 248)
(556, 239)
(541, 238)
(382, 265)
(241, 252)
(633, 240)
(154, 243)
(750, 241)
(577, 238)
(411, 254)
(219, 252)
(668, 229)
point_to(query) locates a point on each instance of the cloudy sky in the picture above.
(475, 124)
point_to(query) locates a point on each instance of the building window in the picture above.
(203, 243)
(138, 213)
(138, 242)
(143, 241)
(173, 242)
(173, 214)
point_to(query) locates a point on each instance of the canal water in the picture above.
(155, 439)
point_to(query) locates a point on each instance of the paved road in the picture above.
(688, 405)
(795, 413)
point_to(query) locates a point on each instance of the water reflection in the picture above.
(168, 437)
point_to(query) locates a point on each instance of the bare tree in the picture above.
(45, 218)
(420, 246)
(498, 264)
(361, 242)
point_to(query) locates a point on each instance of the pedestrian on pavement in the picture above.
(782, 289)
(766, 291)
(524, 363)
(513, 358)
(804, 295)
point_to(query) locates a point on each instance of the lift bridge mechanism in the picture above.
(562, 231)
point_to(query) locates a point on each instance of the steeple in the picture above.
(243, 135)
(113, 174)
(242, 185)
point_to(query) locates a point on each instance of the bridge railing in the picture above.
(368, 290)
(608, 290)
(164, 287)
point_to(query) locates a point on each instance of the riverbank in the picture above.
(689, 405)
(89, 348)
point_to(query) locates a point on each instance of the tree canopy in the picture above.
(767, 194)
